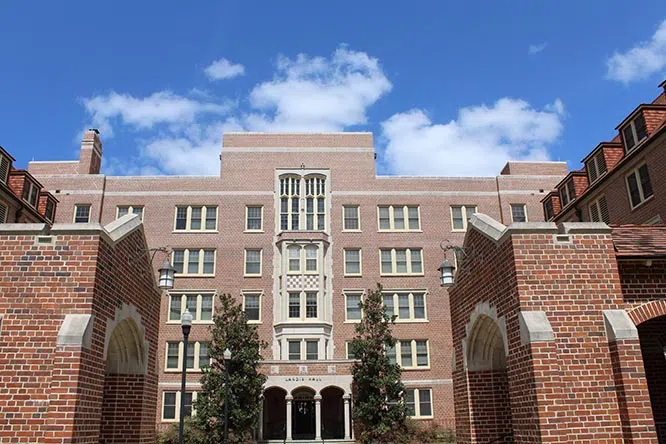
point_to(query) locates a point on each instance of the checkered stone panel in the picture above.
(294, 282)
(311, 281)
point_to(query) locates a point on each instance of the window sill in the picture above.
(400, 231)
(352, 231)
(182, 275)
(414, 369)
(253, 231)
(189, 370)
(347, 321)
(420, 418)
(195, 232)
(454, 230)
(642, 203)
(254, 322)
(173, 322)
(411, 321)
(356, 275)
(251, 275)
(403, 275)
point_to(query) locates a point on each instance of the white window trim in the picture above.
(346, 293)
(186, 261)
(130, 210)
(31, 187)
(197, 347)
(358, 218)
(465, 216)
(261, 262)
(304, 349)
(188, 220)
(565, 189)
(360, 261)
(396, 308)
(640, 187)
(412, 346)
(594, 164)
(260, 294)
(527, 219)
(183, 303)
(347, 346)
(405, 215)
(394, 265)
(637, 142)
(261, 221)
(76, 206)
(302, 259)
(303, 304)
(417, 404)
(301, 198)
(177, 409)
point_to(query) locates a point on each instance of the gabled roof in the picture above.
(634, 241)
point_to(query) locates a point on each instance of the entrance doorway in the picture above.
(652, 335)
(275, 413)
(333, 413)
(303, 414)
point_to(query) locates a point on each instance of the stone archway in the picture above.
(303, 414)
(274, 414)
(332, 413)
(652, 336)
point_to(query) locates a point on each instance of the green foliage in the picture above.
(419, 432)
(170, 435)
(231, 331)
(379, 413)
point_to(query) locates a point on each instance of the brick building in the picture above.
(297, 226)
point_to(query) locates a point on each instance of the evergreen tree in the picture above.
(231, 331)
(379, 412)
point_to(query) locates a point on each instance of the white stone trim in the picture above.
(76, 330)
(483, 309)
(128, 311)
(534, 327)
(619, 325)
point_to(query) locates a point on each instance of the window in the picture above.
(171, 405)
(313, 191)
(200, 305)
(404, 261)
(302, 259)
(3, 213)
(294, 305)
(254, 218)
(418, 402)
(567, 193)
(49, 212)
(405, 305)
(129, 209)
(634, 132)
(252, 262)
(348, 348)
(353, 306)
(460, 215)
(398, 218)
(199, 218)
(518, 213)
(350, 218)
(198, 356)
(596, 166)
(599, 210)
(412, 353)
(194, 262)
(5, 164)
(303, 349)
(639, 186)
(30, 192)
(252, 306)
(294, 350)
(303, 305)
(81, 214)
(353, 261)
(311, 350)
(548, 209)
(310, 305)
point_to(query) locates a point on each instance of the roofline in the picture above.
(663, 84)
(599, 146)
(6, 153)
(252, 133)
(638, 108)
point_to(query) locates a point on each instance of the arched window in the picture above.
(289, 202)
(302, 194)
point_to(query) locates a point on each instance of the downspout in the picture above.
(499, 199)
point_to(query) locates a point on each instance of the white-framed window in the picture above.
(252, 262)
(599, 210)
(353, 312)
(596, 166)
(303, 194)
(634, 132)
(5, 164)
(639, 186)
(198, 356)
(195, 218)
(49, 212)
(518, 212)
(200, 304)
(252, 306)
(401, 261)
(567, 193)
(348, 351)
(418, 402)
(122, 210)
(460, 215)
(30, 193)
(194, 261)
(171, 405)
(302, 259)
(81, 213)
(405, 305)
(303, 305)
(352, 261)
(303, 349)
(548, 209)
(399, 218)
(3, 213)
(254, 218)
(351, 220)
(410, 354)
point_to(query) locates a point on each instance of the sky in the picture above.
(447, 88)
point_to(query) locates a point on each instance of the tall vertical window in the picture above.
(289, 202)
(353, 306)
(294, 350)
(460, 215)
(195, 218)
(123, 210)
(310, 305)
(315, 203)
(639, 185)
(30, 192)
(294, 305)
(81, 213)
(252, 306)
(567, 193)
(49, 213)
(518, 213)
(548, 209)
(634, 132)
(305, 195)
(311, 350)
(254, 218)
(5, 164)
(352, 261)
(252, 262)
(350, 219)
(3, 213)
(398, 218)
(596, 166)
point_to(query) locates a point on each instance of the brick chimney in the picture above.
(91, 152)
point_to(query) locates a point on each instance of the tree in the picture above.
(231, 331)
(378, 410)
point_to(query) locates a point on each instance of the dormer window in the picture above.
(49, 213)
(4, 168)
(567, 193)
(634, 132)
(30, 193)
(596, 166)
(548, 209)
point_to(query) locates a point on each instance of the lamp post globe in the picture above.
(167, 272)
(446, 273)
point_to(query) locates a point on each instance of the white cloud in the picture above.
(477, 143)
(160, 107)
(641, 61)
(317, 93)
(535, 49)
(224, 69)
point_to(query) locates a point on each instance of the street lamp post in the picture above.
(227, 361)
(186, 324)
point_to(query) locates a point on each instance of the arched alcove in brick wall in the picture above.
(652, 335)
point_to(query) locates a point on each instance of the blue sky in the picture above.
(448, 88)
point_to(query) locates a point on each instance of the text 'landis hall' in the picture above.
(297, 227)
